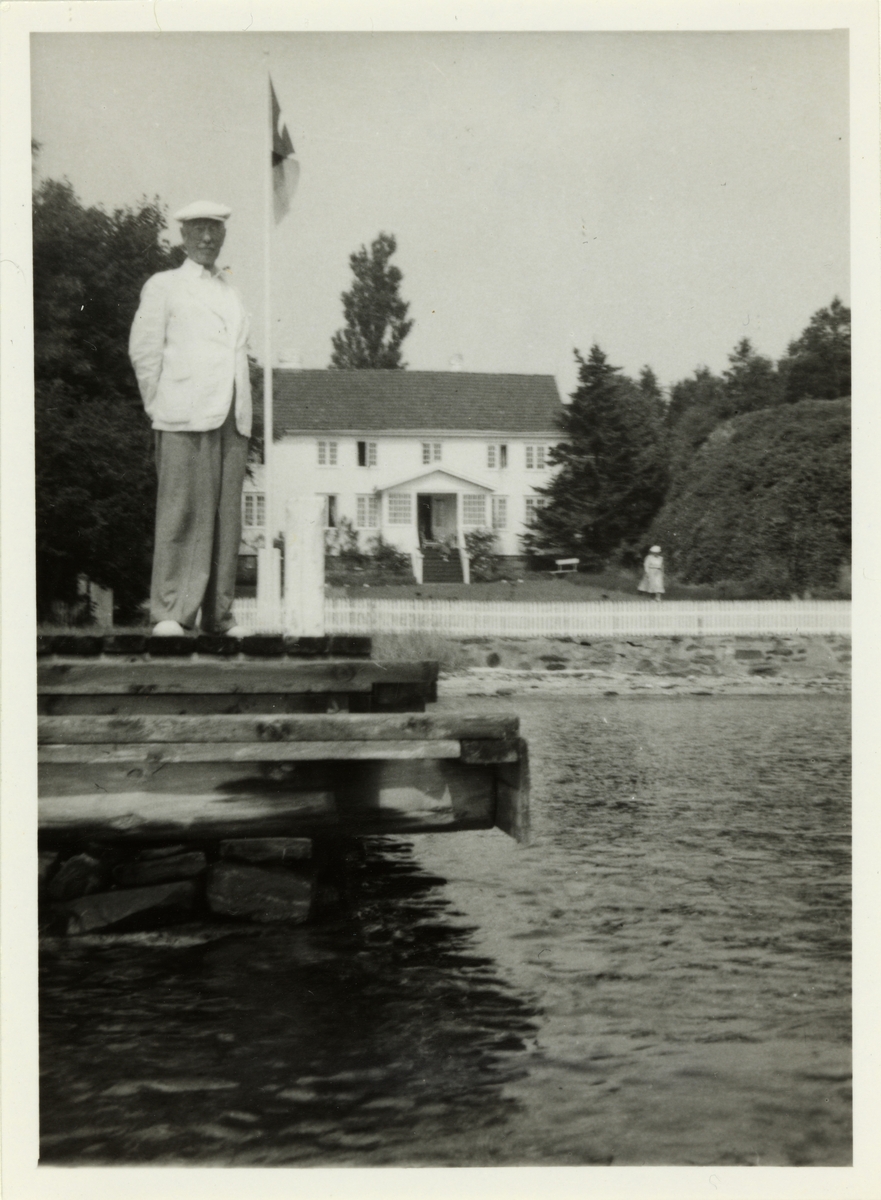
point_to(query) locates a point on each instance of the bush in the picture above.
(767, 507)
(342, 542)
(480, 546)
(347, 564)
(387, 558)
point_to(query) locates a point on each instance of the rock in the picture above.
(106, 910)
(261, 894)
(266, 850)
(160, 870)
(161, 852)
(46, 860)
(77, 876)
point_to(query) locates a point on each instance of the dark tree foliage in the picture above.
(817, 364)
(766, 500)
(376, 316)
(95, 478)
(255, 447)
(750, 382)
(613, 470)
(651, 389)
(691, 415)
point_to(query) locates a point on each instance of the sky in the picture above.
(660, 194)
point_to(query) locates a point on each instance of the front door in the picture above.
(436, 517)
(423, 519)
(443, 517)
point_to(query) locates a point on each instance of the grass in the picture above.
(608, 585)
(529, 588)
(420, 647)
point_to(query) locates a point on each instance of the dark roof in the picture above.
(364, 401)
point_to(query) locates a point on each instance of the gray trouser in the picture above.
(198, 525)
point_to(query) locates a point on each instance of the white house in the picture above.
(421, 457)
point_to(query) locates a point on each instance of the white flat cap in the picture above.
(202, 210)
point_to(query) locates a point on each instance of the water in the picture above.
(661, 977)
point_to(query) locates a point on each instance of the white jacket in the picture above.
(188, 346)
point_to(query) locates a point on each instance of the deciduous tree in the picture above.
(95, 479)
(765, 501)
(376, 316)
(817, 363)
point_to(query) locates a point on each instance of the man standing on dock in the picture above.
(188, 347)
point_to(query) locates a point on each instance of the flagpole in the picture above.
(271, 601)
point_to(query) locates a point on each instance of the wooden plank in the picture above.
(229, 779)
(182, 703)
(436, 794)
(512, 795)
(196, 752)
(109, 803)
(119, 677)
(154, 816)
(489, 750)
(315, 727)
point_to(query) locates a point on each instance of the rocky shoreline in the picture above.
(90, 888)
(660, 666)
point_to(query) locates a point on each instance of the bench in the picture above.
(153, 744)
(566, 566)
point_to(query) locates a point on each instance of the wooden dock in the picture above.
(192, 739)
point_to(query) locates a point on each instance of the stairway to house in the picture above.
(440, 566)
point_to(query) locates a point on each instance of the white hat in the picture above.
(202, 210)
(654, 550)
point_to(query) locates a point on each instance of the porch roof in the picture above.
(438, 480)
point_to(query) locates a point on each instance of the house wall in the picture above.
(394, 463)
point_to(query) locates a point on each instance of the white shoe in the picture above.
(168, 629)
(237, 631)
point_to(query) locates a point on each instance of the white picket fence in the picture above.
(468, 618)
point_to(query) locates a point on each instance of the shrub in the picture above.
(342, 542)
(768, 506)
(387, 558)
(480, 546)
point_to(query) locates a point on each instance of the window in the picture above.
(330, 517)
(327, 454)
(500, 512)
(535, 458)
(367, 515)
(400, 508)
(474, 510)
(254, 512)
(367, 454)
(533, 504)
(496, 456)
(431, 452)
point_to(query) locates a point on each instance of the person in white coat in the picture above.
(653, 573)
(188, 347)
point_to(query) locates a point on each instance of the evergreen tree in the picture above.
(703, 393)
(817, 364)
(612, 460)
(751, 382)
(651, 389)
(376, 316)
(95, 478)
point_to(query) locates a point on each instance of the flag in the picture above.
(285, 168)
